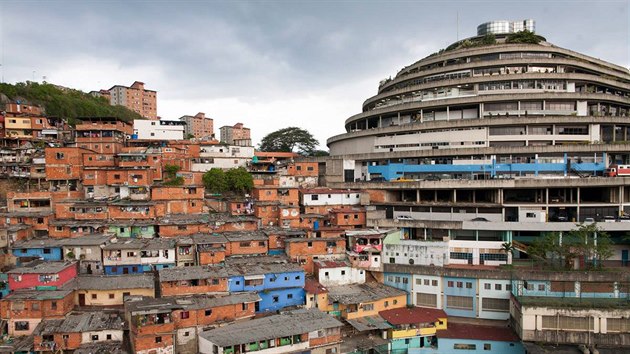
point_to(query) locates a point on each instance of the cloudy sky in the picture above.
(271, 64)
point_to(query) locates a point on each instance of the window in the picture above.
(487, 286)
(426, 281)
(95, 337)
(487, 346)
(460, 284)
(261, 243)
(449, 284)
(47, 251)
(428, 300)
(386, 303)
(465, 346)
(434, 283)
(109, 337)
(207, 312)
(158, 339)
(405, 280)
(314, 197)
(497, 287)
(111, 296)
(185, 314)
(541, 287)
(21, 326)
(297, 277)
(94, 296)
(53, 305)
(468, 285)
(35, 306)
(310, 244)
(289, 296)
(275, 299)
(368, 307)
(498, 305)
(60, 156)
(459, 302)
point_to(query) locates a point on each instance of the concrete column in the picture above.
(454, 195)
(578, 201)
(417, 195)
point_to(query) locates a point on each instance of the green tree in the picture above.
(239, 180)
(289, 140)
(319, 153)
(171, 178)
(215, 181)
(559, 250)
(190, 136)
(64, 102)
(523, 37)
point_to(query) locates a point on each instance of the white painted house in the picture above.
(324, 196)
(158, 129)
(222, 156)
(331, 273)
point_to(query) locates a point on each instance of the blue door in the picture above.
(624, 258)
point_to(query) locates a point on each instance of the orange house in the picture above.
(193, 280)
(246, 243)
(304, 250)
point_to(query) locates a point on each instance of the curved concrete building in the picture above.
(495, 140)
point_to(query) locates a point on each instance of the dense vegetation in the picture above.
(64, 103)
(236, 180)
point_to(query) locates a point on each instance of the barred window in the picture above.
(568, 323)
(428, 300)
(459, 302)
(491, 304)
(618, 325)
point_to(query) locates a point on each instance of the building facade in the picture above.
(199, 126)
(134, 97)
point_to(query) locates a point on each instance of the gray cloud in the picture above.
(195, 52)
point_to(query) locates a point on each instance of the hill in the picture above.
(64, 102)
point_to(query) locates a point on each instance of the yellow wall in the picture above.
(414, 332)
(379, 305)
(102, 296)
(17, 133)
(17, 123)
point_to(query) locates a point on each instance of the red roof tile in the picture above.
(312, 286)
(472, 331)
(412, 315)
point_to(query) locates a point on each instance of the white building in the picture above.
(222, 156)
(321, 197)
(158, 129)
(331, 273)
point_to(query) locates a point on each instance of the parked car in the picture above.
(479, 219)
(404, 217)
(432, 178)
(589, 220)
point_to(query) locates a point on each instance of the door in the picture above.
(624, 258)
(81, 299)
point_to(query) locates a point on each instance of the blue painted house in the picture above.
(462, 338)
(135, 256)
(460, 297)
(47, 249)
(400, 281)
(278, 283)
(4, 285)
